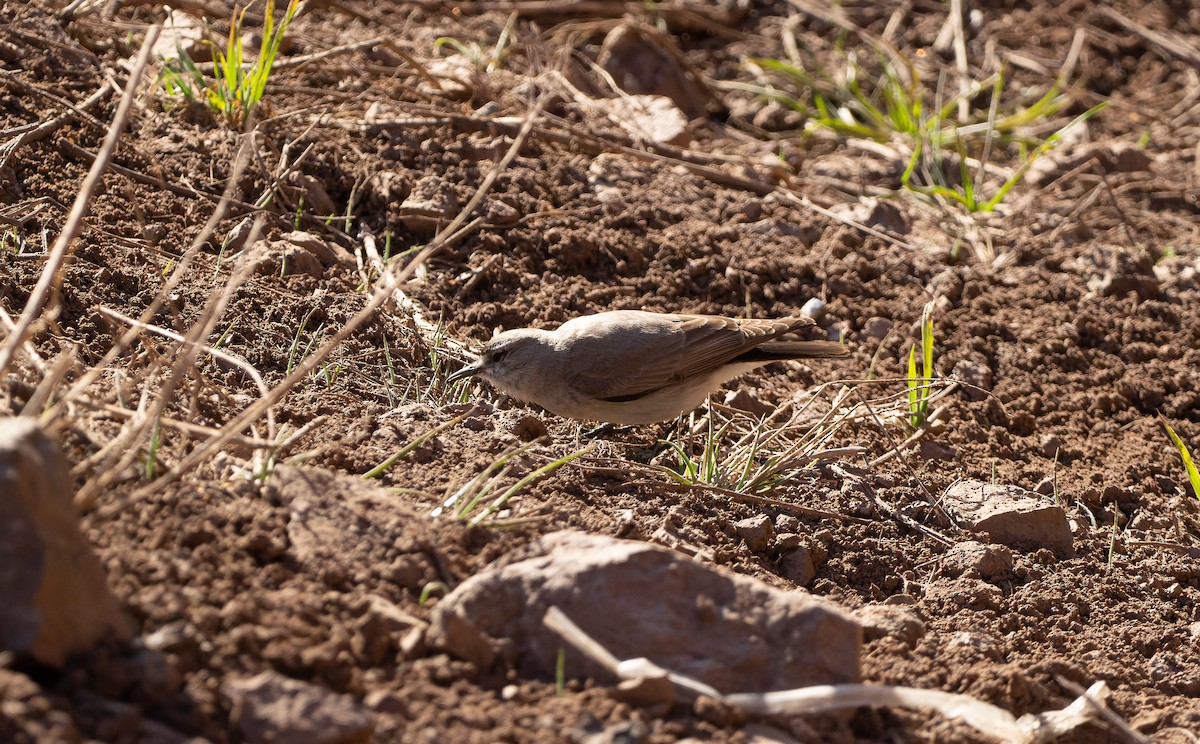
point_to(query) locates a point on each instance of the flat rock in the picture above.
(639, 600)
(880, 620)
(1010, 515)
(272, 709)
(976, 560)
(641, 61)
(56, 601)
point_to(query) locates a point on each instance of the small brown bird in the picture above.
(635, 367)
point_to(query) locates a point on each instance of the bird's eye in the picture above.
(498, 355)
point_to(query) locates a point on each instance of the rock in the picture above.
(876, 213)
(429, 205)
(757, 531)
(1009, 515)
(947, 284)
(642, 61)
(964, 592)
(877, 328)
(815, 308)
(455, 78)
(797, 566)
(976, 560)
(316, 199)
(329, 254)
(729, 631)
(281, 258)
(879, 620)
(270, 709)
(1045, 486)
(976, 375)
(775, 117)
(645, 691)
(650, 118)
(56, 601)
(240, 235)
(743, 400)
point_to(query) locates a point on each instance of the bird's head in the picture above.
(503, 361)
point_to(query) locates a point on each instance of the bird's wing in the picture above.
(656, 350)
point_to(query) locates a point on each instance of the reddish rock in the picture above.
(639, 600)
(55, 600)
(1009, 515)
(272, 709)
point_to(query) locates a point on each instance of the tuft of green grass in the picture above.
(236, 86)
(1184, 454)
(483, 60)
(889, 104)
(920, 386)
(470, 496)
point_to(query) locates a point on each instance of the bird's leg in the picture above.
(606, 429)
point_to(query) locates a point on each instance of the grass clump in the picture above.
(236, 87)
(920, 386)
(946, 142)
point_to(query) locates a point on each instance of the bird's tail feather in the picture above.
(778, 351)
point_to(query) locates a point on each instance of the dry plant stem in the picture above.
(74, 224)
(181, 270)
(48, 127)
(59, 368)
(27, 347)
(1173, 44)
(209, 315)
(185, 427)
(916, 436)
(380, 295)
(230, 359)
(983, 717)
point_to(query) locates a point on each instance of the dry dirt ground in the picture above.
(1070, 309)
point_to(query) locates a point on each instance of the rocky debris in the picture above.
(642, 61)
(56, 601)
(239, 236)
(948, 284)
(270, 709)
(329, 254)
(651, 118)
(815, 308)
(316, 199)
(880, 620)
(976, 375)
(976, 560)
(798, 566)
(964, 592)
(877, 328)
(281, 258)
(876, 213)
(775, 117)
(639, 600)
(1106, 157)
(743, 400)
(757, 531)
(1010, 515)
(456, 77)
(429, 205)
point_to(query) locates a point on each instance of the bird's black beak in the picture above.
(470, 370)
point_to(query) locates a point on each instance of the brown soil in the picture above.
(1072, 304)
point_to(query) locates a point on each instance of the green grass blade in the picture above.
(1188, 464)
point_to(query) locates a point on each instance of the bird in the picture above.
(633, 367)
